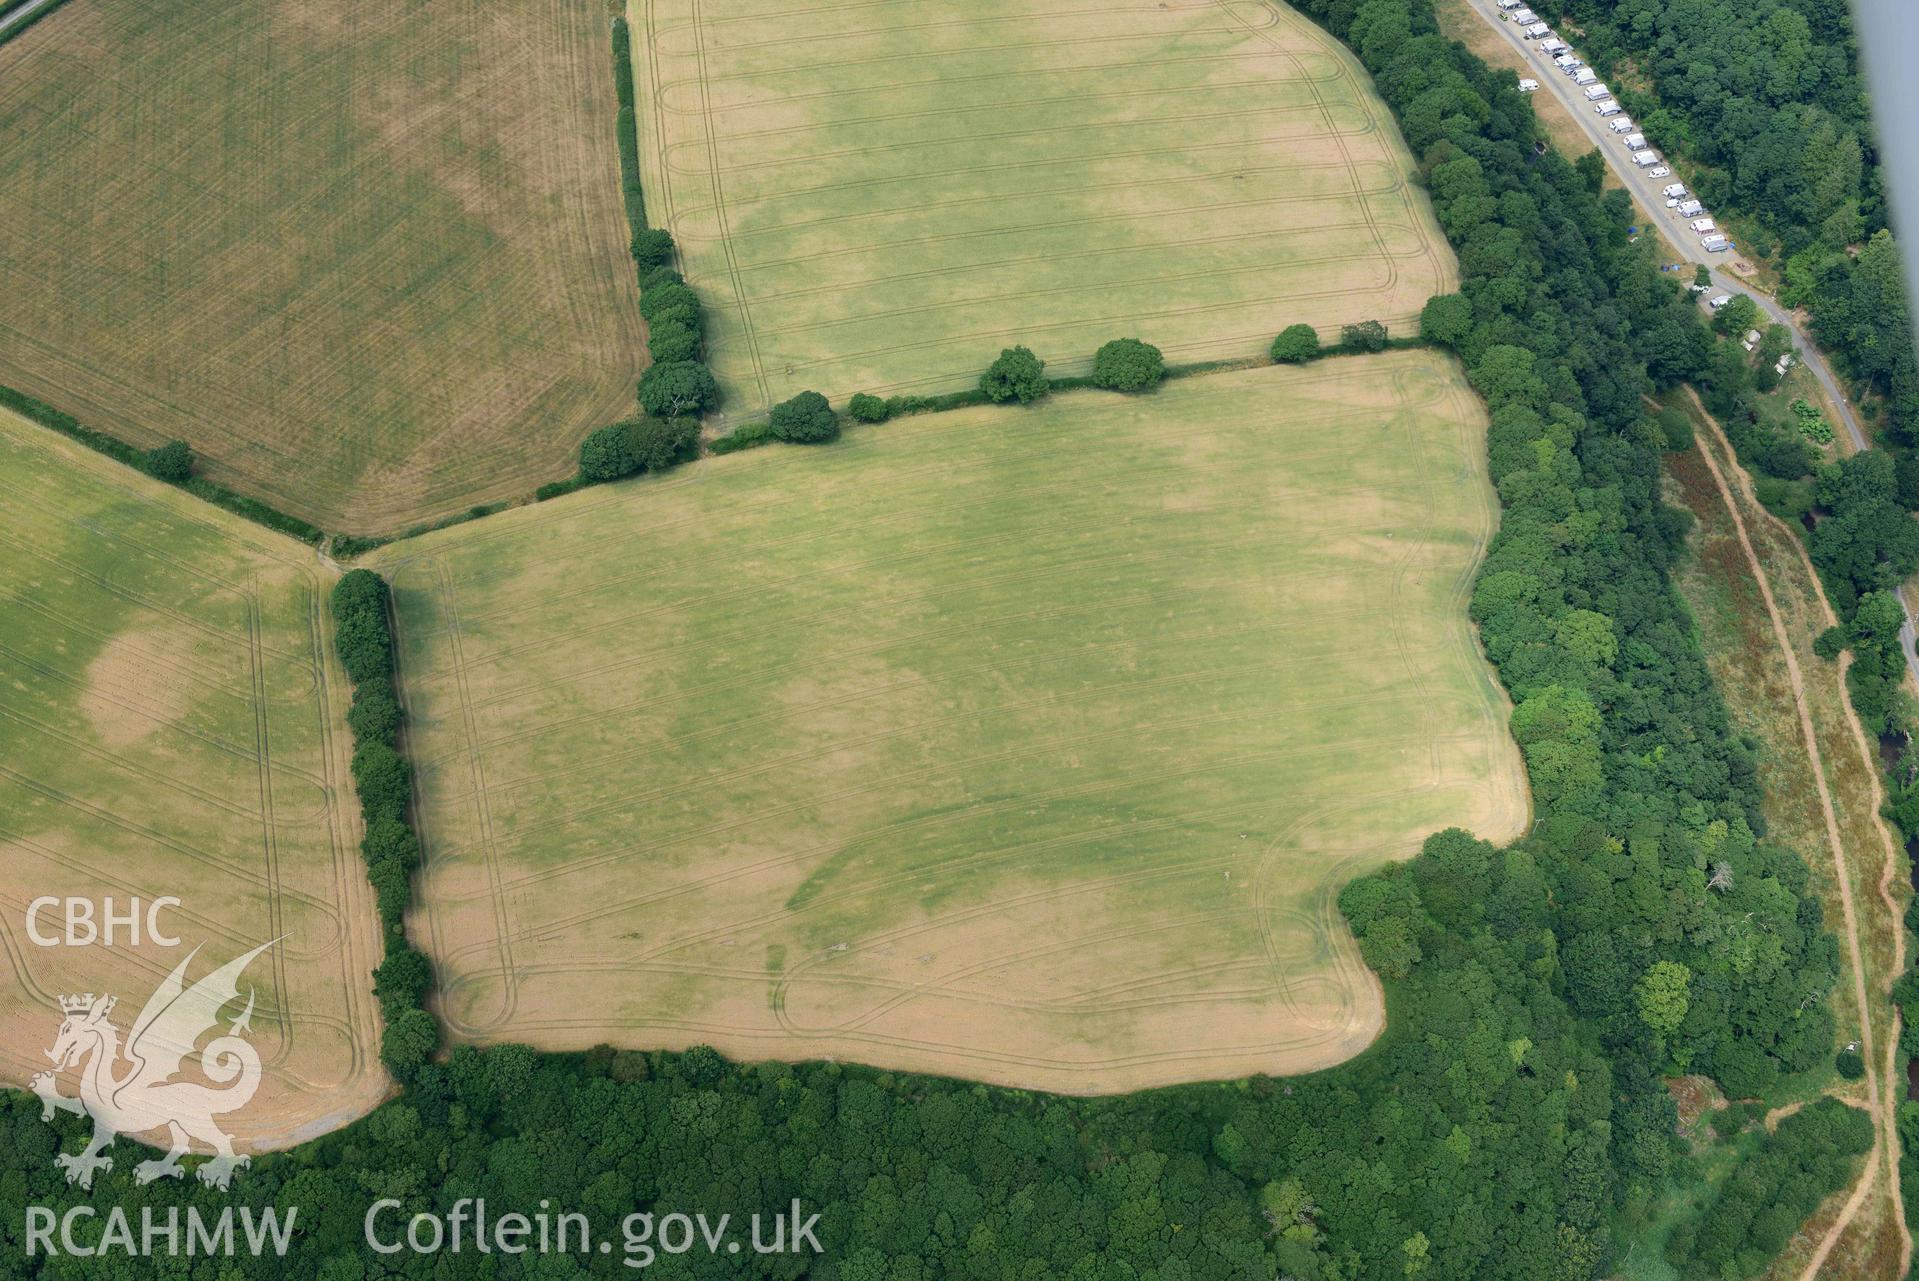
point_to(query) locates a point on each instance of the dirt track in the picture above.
(1882, 1078)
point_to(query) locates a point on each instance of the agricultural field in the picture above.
(171, 722)
(879, 196)
(369, 260)
(1024, 745)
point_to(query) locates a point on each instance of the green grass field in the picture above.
(879, 196)
(170, 724)
(368, 259)
(1026, 745)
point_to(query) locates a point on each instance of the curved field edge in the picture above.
(879, 200)
(1027, 746)
(172, 668)
(419, 309)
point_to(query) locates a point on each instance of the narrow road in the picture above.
(1649, 194)
(22, 14)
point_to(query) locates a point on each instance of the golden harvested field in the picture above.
(368, 259)
(1024, 745)
(879, 196)
(170, 724)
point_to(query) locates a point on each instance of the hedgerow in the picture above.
(363, 640)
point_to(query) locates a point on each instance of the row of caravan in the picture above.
(1643, 156)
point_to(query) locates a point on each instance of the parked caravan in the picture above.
(1607, 108)
(1620, 124)
(1594, 92)
(1703, 225)
(1635, 142)
(1535, 30)
(1675, 189)
(1645, 159)
(1690, 208)
(1715, 243)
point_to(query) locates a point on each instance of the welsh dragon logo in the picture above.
(142, 1097)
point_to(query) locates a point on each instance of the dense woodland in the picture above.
(1767, 99)
(1512, 1121)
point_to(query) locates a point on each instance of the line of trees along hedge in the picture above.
(363, 639)
(627, 127)
(678, 382)
(1512, 1116)
(171, 462)
(1767, 97)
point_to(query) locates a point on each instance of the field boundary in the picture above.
(681, 163)
(212, 491)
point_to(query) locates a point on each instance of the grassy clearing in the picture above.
(172, 721)
(1749, 665)
(1028, 745)
(369, 260)
(878, 197)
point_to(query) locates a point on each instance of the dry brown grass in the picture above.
(1744, 594)
(368, 259)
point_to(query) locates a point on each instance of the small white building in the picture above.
(1715, 243)
(1607, 107)
(1751, 339)
(1585, 76)
(1785, 363)
(1529, 86)
(1703, 225)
